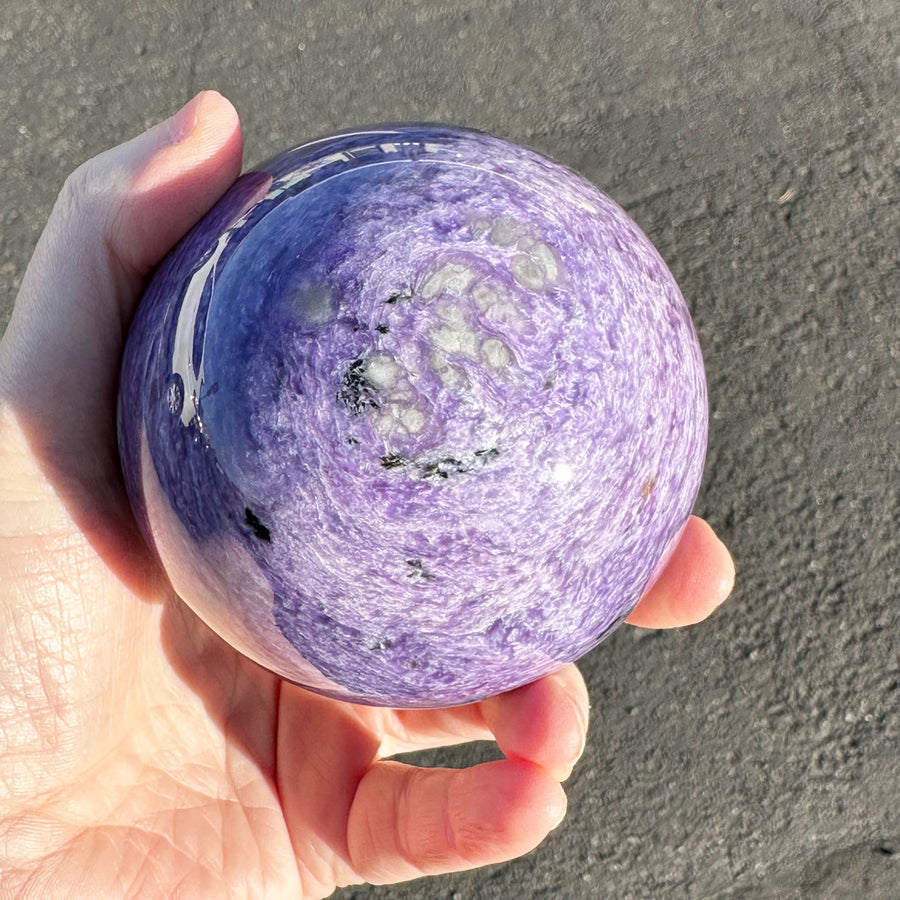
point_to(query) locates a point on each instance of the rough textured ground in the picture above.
(756, 757)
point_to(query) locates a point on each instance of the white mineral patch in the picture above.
(536, 267)
(452, 377)
(506, 313)
(453, 339)
(504, 232)
(413, 419)
(384, 422)
(496, 354)
(456, 334)
(481, 227)
(452, 277)
(498, 306)
(399, 417)
(383, 371)
(527, 272)
(485, 296)
(495, 303)
(314, 304)
(453, 315)
(544, 256)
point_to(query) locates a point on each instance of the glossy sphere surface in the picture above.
(413, 415)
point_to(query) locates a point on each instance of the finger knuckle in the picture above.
(84, 199)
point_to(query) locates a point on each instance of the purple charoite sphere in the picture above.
(413, 416)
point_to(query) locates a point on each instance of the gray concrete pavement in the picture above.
(756, 756)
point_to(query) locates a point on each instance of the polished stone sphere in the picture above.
(413, 415)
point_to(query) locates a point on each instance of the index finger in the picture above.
(544, 722)
(697, 578)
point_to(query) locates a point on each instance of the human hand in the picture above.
(141, 755)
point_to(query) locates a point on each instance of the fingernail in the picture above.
(582, 716)
(560, 812)
(184, 122)
(581, 713)
(583, 723)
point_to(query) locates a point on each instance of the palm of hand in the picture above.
(142, 756)
(129, 760)
(169, 759)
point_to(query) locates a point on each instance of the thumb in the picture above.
(168, 178)
(116, 217)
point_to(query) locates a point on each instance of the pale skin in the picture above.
(140, 756)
